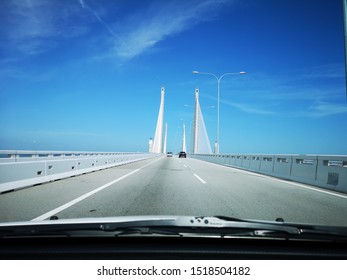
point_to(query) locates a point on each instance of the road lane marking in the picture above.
(297, 184)
(300, 185)
(201, 180)
(310, 188)
(82, 197)
(185, 165)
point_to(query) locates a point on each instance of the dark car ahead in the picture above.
(182, 155)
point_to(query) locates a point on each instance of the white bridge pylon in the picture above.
(201, 142)
(158, 137)
(184, 146)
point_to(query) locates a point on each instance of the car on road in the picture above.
(169, 154)
(182, 155)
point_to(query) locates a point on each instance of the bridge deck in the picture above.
(173, 186)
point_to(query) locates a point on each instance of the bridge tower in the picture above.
(184, 146)
(158, 137)
(201, 142)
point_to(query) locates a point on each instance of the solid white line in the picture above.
(201, 180)
(82, 197)
(300, 185)
(310, 188)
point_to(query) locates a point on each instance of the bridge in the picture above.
(38, 185)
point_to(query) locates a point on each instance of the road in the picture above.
(173, 186)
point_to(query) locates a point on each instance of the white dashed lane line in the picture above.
(201, 180)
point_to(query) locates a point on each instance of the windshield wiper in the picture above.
(303, 230)
(180, 226)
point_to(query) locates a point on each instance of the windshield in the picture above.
(192, 108)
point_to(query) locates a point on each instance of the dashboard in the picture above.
(84, 248)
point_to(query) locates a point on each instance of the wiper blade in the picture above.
(228, 218)
(143, 231)
(166, 225)
(171, 225)
(303, 230)
(31, 232)
(336, 232)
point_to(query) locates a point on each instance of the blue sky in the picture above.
(86, 74)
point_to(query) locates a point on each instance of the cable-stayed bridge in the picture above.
(36, 185)
(200, 140)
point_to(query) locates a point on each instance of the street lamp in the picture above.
(218, 82)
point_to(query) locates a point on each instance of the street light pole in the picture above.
(216, 150)
(216, 144)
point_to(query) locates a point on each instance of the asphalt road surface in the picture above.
(173, 186)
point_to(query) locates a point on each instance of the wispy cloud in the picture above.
(244, 107)
(10, 71)
(144, 31)
(85, 6)
(249, 109)
(292, 86)
(27, 26)
(323, 109)
(319, 94)
(329, 71)
(31, 27)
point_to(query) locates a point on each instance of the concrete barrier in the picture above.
(332, 171)
(19, 169)
(267, 164)
(246, 162)
(283, 165)
(255, 163)
(328, 172)
(304, 169)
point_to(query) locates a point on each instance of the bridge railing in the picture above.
(325, 171)
(20, 169)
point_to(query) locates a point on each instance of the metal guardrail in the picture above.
(325, 171)
(20, 169)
